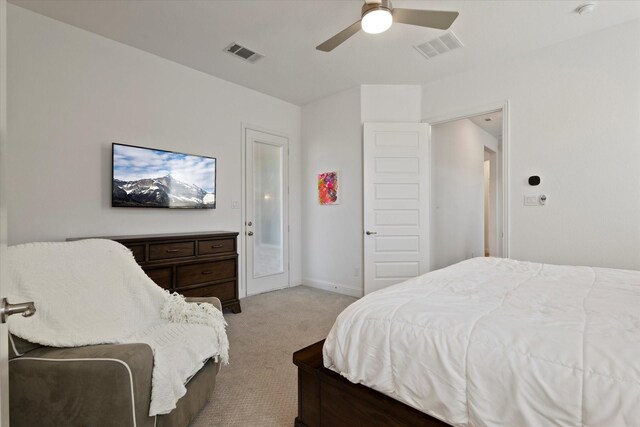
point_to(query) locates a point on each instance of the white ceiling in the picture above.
(490, 122)
(195, 32)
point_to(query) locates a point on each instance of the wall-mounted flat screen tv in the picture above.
(151, 178)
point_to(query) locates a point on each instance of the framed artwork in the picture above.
(328, 188)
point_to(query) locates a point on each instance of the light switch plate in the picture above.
(235, 204)
(531, 200)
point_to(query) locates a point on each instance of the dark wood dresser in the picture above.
(192, 264)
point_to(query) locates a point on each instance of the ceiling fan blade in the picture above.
(438, 19)
(339, 38)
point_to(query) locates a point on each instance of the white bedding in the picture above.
(497, 342)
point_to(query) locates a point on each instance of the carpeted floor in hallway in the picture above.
(259, 386)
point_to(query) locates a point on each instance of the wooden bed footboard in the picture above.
(326, 399)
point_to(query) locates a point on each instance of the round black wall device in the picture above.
(534, 180)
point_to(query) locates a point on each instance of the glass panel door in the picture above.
(268, 251)
(266, 239)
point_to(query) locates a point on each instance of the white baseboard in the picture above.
(332, 287)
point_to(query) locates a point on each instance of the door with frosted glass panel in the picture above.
(267, 205)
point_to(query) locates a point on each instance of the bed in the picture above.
(485, 342)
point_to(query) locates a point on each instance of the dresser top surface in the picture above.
(165, 236)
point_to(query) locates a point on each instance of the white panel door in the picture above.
(396, 203)
(267, 207)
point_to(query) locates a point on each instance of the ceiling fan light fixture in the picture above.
(377, 20)
(378, 15)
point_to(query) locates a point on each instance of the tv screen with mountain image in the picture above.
(150, 178)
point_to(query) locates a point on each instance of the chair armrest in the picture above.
(211, 300)
(94, 385)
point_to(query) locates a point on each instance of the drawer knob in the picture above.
(172, 250)
(206, 272)
(216, 246)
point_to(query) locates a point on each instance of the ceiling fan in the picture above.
(378, 15)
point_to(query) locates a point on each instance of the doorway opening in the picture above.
(468, 192)
(490, 207)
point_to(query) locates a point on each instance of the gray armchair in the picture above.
(98, 385)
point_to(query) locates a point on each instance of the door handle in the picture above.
(26, 308)
(250, 233)
(369, 233)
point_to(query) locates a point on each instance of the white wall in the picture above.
(574, 120)
(332, 234)
(332, 140)
(73, 93)
(391, 103)
(457, 191)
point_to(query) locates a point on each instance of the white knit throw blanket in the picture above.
(93, 292)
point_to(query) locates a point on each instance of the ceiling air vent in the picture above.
(242, 52)
(440, 45)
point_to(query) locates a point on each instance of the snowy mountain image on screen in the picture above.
(161, 192)
(146, 177)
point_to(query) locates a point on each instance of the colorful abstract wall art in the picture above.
(328, 188)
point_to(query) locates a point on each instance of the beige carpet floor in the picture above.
(259, 386)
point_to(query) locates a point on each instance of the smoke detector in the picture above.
(243, 53)
(586, 9)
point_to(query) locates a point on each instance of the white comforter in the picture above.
(93, 292)
(497, 342)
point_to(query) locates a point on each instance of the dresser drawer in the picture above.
(162, 276)
(138, 252)
(209, 247)
(194, 274)
(171, 250)
(223, 291)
